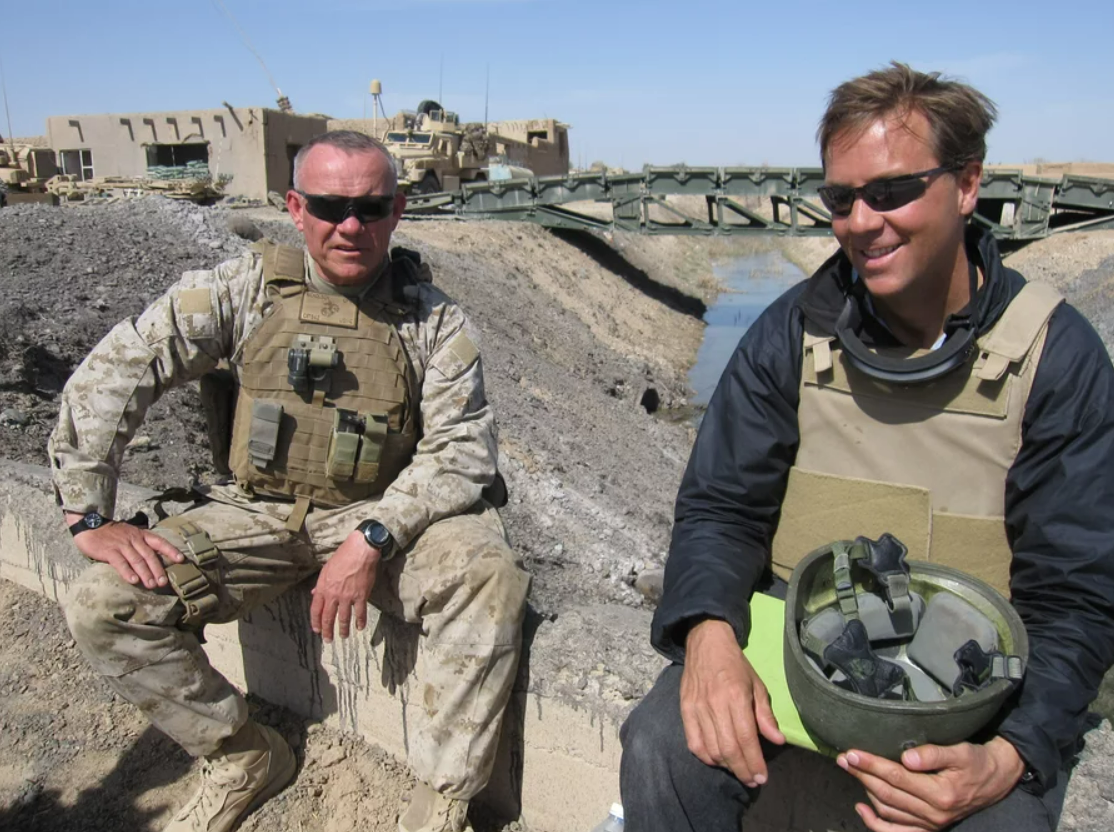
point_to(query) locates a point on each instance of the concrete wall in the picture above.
(248, 143)
(283, 135)
(559, 759)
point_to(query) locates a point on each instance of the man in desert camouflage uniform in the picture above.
(361, 447)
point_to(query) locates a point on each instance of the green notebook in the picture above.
(765, 651)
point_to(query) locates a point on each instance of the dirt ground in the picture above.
(581, 338)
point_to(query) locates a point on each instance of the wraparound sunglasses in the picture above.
(881, 194)
(336, 209)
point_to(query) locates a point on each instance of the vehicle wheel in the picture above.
(429, 184)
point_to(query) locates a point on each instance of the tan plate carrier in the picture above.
(925, 462)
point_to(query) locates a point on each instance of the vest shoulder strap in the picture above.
(281, 264)
(820, 346)
(1017, 330)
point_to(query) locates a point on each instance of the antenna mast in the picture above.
(376, 90)
(282, 101)
(7, 112)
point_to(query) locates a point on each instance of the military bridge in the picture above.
(752, 200)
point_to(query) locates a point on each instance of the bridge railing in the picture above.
(752, 200)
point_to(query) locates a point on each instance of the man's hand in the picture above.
(343, 585)
(724, 705)
(133, 552)
(933, 786)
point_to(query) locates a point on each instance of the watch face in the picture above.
(378, 534)
(93, 520)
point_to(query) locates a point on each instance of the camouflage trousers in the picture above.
(459, 580)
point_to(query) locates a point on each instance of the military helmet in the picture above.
(882, 654)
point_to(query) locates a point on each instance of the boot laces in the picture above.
(216, 781)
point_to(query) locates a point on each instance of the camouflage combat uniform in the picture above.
(454, 574)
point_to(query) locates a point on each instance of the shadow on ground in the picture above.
(614, 262)
(153, 760)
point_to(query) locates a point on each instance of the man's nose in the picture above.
(863, 218)
(350, 226)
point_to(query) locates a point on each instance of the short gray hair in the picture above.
(350, 141)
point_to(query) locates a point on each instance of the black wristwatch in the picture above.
(92, 520)
(377, 537)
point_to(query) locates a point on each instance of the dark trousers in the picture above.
(665, 788)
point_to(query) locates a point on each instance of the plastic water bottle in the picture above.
(614, 821)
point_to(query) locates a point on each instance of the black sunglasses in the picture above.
(336, 209)
(881, 194)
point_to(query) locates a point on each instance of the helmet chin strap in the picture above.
(961, 330)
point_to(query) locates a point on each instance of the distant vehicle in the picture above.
(435, 152)
(24, 170)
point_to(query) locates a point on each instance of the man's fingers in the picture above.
(897, 798)
(328, 617)
(877, 824)
(344, 616)
(745, 733)
(315, 609)
(163, 547)
(118, 562)
(696, 736)
(140, 566)
(920, 788)
(152, 559)
(764, 715)
(361, 615)
(934, 757)
(894, 815)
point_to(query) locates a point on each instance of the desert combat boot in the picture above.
(251, 767)
(431, 811)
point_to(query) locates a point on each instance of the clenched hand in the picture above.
(344, 586)
(724, 705)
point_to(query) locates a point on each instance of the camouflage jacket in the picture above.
(171, 343)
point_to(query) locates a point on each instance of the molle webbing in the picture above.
(926, 461)
(194, 580)
(348, 431)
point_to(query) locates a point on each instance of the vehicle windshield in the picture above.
(410, 138)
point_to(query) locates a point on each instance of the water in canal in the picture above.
(752, 283)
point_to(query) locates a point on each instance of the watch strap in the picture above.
(91, 520)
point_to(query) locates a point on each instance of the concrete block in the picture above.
(558, 764)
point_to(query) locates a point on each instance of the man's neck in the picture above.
(917, 320)
(322, 284)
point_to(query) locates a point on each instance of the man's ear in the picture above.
(969, 179)
(295, 207)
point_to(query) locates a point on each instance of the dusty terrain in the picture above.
(576, 353)
(580, 338)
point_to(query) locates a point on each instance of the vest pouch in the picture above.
(371, 446)
(266, 417)
(344, 445)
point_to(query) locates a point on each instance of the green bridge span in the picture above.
(743, 200)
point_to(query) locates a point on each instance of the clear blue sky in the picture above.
(707, 83)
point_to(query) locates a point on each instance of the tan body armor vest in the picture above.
(353, 426)
(925, 462)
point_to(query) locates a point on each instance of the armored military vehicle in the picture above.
(435, 152)
(24, 171)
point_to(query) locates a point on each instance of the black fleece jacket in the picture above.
(1059, 498)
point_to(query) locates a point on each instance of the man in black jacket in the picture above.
(1001, 426)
